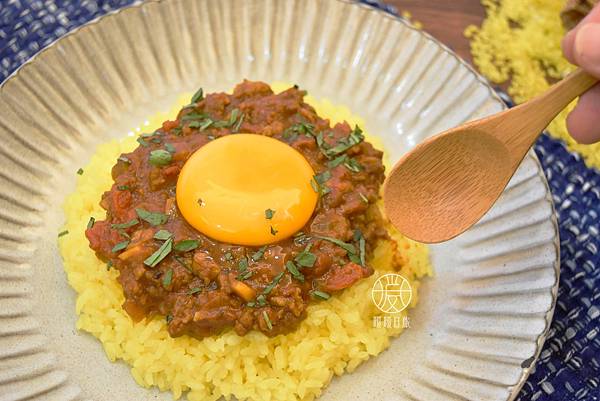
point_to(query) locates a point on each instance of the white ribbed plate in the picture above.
(482, 319)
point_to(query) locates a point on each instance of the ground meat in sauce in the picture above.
(215, 286)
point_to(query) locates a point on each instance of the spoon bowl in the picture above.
(448, 182)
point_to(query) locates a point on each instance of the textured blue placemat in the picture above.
(569, 367)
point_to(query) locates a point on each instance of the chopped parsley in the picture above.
(318, 183)
(168, 277)
(346, 246)
(162, 235)
(154, 218)
(80, 171)
(194, 116)
(273, 283)
(269, 214)
(160, 254)
(273, 231)
(267, 320)
(170, 148)
(198, 96)
(60, 234)
(123, 187)
(91, 223)
(344, 144)
(142, 141)
(186, 245)
(361, 247)
(181, 261)
(243, 265)
(306, 258)
(320, 294)
(160, 157)
(128, 224)
(245, 275)
(194, 290)
(228, 256)
(261, 300)
(259, 254)
(238, 124)
(298, 129)
(169, 318)
(120, 246)
(109, 265)
(294, 271)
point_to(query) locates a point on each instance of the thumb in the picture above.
(587, 48)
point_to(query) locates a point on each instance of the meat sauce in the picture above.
(202, 286)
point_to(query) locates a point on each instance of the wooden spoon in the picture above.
(449, 181)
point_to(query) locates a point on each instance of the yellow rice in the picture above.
(520, 40)
(336, 337)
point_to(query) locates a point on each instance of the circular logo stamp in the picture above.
(391, 293)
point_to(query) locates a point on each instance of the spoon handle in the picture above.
(524, 123)
(555, 99)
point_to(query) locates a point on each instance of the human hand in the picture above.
(581, 46)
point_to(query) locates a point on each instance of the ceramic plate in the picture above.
(482, 319)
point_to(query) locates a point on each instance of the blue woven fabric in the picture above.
(569, 366)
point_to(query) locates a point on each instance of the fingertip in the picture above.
(586, 48)
(583, 123)
(567, 46)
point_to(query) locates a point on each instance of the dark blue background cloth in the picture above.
(569, 365)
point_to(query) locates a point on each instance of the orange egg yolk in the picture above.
(246, 189)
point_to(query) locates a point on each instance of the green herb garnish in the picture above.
(346, 246)
(245, 275)
(273, 283)
(320, 294)
(169, 318)
(243, 265)
(194, 290)
(60, 234)
(123, 187)
(361, 247)
(91, 223)
(80, 171)
(267, 320)
(344, 144)
(273, 231)
(120, 246)
(228, 256)
(170, 148)
(294, 270)
(194, 116)
(167, 278)
(186, 245)
(162, 235)
(238, 124)
(160, 253)
(261, 299)
(259, 254)
(154, 218)
(160, 157)
(142, 142)
(269, 214)
(364, 198)
(306, 258)
(128, 224)
(198, 96)
(109, 265)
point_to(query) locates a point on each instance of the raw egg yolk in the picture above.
(246, 189)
